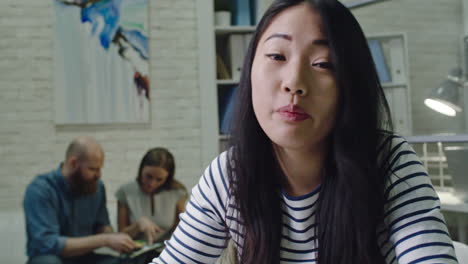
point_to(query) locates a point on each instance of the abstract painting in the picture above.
(101, 61)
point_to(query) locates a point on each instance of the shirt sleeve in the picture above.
(181, 193)
(42, 222)
(201, 235)
(414, 229)
(102, 218)
(121, 196)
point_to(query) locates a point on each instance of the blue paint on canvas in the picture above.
(106, 10)
(101, 65)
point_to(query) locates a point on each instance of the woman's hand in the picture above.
(120, 241)
(149, 228)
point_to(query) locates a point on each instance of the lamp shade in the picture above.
(445, 98)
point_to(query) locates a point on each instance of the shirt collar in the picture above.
(61, 179)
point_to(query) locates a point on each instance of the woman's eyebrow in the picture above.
(279, 35)
(319, 42)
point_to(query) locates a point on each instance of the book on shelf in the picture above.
(258, 8)
(226, 109)
(397, 60)
(237, 48)
(222, 72)
(236, 51)
(241, 13)
(379, 60)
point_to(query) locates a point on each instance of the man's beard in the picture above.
(80, 186)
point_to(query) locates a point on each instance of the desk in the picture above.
(451, 203)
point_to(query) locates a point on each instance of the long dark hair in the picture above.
(351, 198)
(160, 157)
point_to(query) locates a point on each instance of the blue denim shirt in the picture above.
(53, 214)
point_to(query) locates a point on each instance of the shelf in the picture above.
(447, 138)
(224, 137)
(234, 29)
(227, 82)
(393, 85)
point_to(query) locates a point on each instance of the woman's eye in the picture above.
(323, 65)
(275, 56)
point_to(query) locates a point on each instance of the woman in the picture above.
(312, 176)
(150, 206)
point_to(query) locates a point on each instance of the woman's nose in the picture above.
(295, 91)
(295, 80)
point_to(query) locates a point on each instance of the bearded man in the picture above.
(66, 214)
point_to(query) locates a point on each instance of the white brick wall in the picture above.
(30, 143)
(434, 29)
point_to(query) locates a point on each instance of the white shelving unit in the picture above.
(430, 149)
(209, 34)
(398, 89)
(227, 82)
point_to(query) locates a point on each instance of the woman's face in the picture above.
(294, 92)
(153, 177)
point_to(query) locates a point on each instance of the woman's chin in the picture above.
(290, 140)
(147, 190)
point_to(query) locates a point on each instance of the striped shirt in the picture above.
(413, 230)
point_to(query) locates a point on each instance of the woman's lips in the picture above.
(293, 113)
